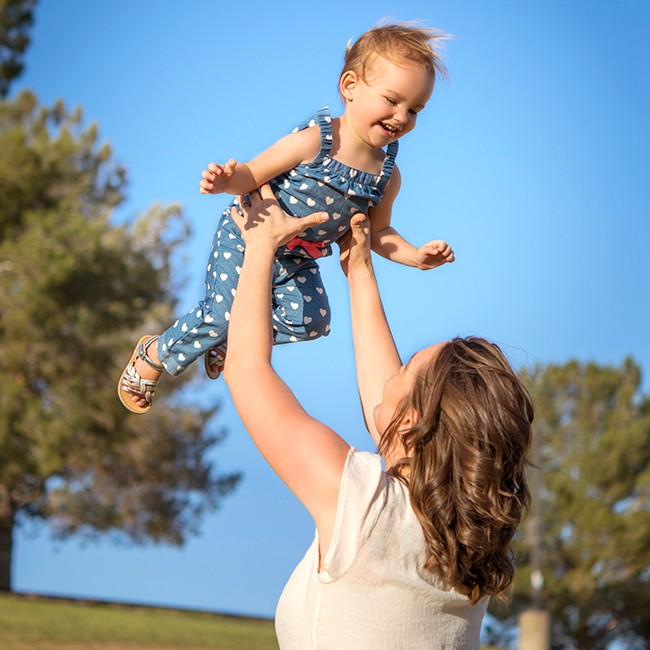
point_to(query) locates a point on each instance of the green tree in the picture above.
(593, 428)
(74, 287)
(16, 18)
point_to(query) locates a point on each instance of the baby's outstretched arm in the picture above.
(388, 243)
(242, 178)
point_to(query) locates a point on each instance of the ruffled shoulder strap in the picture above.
(323, 119)
(389, 159)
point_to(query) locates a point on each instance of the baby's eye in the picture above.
(413, 112)
(392, 102)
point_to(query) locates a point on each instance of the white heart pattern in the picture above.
(197, 345)
(223, 276)
(310, 202)
(307, 320)
(227, 255)
(219, 297)
(294, 305)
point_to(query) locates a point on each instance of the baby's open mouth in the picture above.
(389, 129)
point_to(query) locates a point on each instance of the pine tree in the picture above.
(74, 287)
(593, 427)
(16, 17)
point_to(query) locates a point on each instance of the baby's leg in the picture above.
(301, 310)
(206, 326)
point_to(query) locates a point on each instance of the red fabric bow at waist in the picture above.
(313, 248)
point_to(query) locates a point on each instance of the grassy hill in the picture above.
(28, 623)
(50, 624)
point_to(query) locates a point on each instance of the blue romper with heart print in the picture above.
(300, 306)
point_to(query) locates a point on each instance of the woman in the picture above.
(406, 557)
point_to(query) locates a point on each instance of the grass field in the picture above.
(46, 624)
(28, 623)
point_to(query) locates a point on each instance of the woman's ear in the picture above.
(410, 419)
(348, 84)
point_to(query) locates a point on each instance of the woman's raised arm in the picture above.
(307, 455)
(375, 352)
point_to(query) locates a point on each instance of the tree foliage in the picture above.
(16, 17)
(74, 290)
(593, 427)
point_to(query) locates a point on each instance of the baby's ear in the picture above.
(348, 84)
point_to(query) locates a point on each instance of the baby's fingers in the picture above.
(438, 247)
(229, 167)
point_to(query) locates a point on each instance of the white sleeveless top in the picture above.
(372, 592)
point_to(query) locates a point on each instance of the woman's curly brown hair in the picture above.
(465, 464)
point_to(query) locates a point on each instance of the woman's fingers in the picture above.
(359, 223)
(260, 217)
(360, 229)
(266, 192)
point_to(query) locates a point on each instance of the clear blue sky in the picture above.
(533, 162)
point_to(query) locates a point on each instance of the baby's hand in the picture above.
(216, 178)
(433, 254)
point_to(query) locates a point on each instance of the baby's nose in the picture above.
(401, 116)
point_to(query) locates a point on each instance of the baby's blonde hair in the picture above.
(397, 42)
